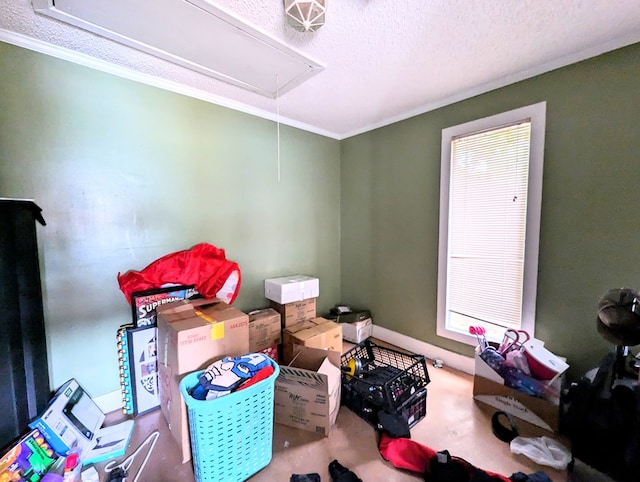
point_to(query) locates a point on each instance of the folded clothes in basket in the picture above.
(230, 374)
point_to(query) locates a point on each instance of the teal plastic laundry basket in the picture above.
(231, 436)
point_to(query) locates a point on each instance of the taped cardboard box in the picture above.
(192, 334)
(317, 333)
(307, 391)
(264, 329)
(292, 313)
(489, 388)
(288, 289)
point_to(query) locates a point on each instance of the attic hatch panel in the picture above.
(194, 34)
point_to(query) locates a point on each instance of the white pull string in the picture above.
(278, 124)
(126, 463)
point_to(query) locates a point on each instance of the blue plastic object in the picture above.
(231, 436)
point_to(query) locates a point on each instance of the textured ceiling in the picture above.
(385, 60)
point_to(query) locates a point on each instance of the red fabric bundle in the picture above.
(262, 374)
(404, 453)
(204, 266)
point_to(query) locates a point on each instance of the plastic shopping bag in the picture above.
(542, 450)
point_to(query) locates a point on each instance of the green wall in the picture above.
(126, 173)
(590, 234)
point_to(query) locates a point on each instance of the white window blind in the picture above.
(487, 226)
(490, 200)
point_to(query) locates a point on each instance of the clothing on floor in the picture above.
(305, 478)
(407, 454)
(339, 473)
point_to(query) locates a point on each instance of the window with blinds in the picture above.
(490, 213)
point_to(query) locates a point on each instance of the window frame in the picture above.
(537, 114)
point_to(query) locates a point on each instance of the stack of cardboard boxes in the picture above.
(294, 297)
(192, 334)
(265, 332)
(311, 349)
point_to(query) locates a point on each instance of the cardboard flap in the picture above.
(299, 327)
(334, 385)
(309, 328)
(262, 313)
(179, 308)
(485, 371)
(313, 367)
(313, 358)
(515, 408)
(329, 369)
(303, 376)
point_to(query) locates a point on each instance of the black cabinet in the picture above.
(24, 371)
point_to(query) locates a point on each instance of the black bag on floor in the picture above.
(603, 423)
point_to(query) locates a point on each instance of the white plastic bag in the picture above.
(542, 450)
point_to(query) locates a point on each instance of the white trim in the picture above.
(537, 114)
(109, 402)
(453, 360)
(504, 81)
(103, 66)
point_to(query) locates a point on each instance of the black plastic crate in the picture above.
(383, 376)
(412, 410)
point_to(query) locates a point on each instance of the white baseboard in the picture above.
(454, 360)
(109, 402)
(112, 401)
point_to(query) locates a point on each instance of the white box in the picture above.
(357, 331)
(288, 289)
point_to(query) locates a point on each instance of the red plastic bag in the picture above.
(204, 266)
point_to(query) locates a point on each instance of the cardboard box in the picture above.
(265, 329)
(192, 334)
(317, 333)
(296, 312)
(288, 289)
(489, 388)
(307, 392)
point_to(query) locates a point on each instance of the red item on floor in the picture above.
(407, 454)
(204, 266)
